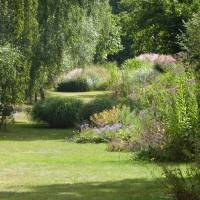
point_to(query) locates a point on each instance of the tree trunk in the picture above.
(36, 98)
(42, 93)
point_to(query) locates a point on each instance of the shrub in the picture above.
(106, 117)
(114, 76)
(91, 135)
(98, 105)
(144, 76)
(74, 85)
(58, 112)
(95, 77)
(136, 63)
(181, 117)
(104, 134)
(134, 73)
(152, 132)
(174, 105)
(183, 186)
(157, 58)
(123, 126)
(117, 144)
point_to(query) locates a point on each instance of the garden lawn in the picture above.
(85, 96)
(37, 163)
(40, 164)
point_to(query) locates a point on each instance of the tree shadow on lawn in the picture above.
(137, 189)
(31, 132)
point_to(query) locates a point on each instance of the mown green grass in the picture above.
(85, 96)
(38, 163)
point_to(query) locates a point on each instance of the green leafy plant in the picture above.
(190, 40)
(13, 80)
(98, 105)
(135, 63)
(183, 186)
(106, 117)
(74, 85)
(58, 112)
(173, 100)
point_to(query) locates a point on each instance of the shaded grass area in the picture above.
(117, 190)
(39, 163)
(30, 132)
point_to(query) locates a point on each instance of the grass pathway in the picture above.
(39, 164)
(85, 96)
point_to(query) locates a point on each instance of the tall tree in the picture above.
(153, 26)
(49, 32)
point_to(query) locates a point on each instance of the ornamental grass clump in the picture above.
(89, 78)
(58, 112)
(13, 81)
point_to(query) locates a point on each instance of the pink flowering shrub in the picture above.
(157, 58)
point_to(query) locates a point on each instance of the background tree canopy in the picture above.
(52, 34)
(55, 34)
(152, 26)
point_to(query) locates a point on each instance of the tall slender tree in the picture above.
(47, 31)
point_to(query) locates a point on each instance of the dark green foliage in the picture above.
(183, 187)
(174, 104)
(13, 80)
(58, 112)
(173, 153)
(152, 26)
(191, 39)
(97, 106)
(73, 85)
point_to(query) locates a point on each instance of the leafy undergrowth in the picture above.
(39, 163)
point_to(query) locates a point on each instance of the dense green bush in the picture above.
(98, 105)
(74, 85)
(136, 63)
(133, 77)
(173, 101)
(183, 185)
(116, 126)
(92, 136)
(13, 80)
(191, 39)
(58, 112)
